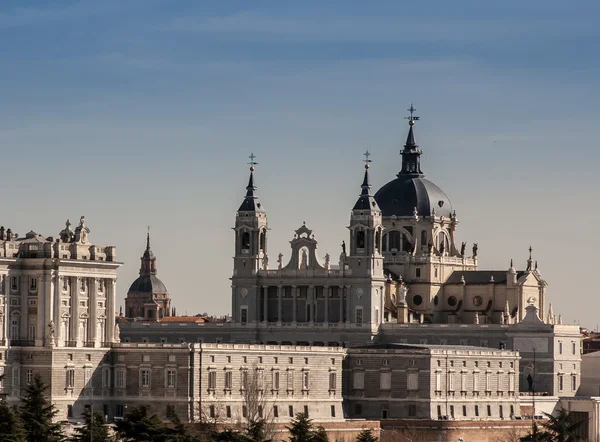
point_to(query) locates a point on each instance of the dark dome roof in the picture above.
(148, 284)
(400, 197)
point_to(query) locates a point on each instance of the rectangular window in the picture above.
(70, 378)
(228, 380)
(120, 378)
(170, 411)
(574, 383)
(512, 410)
(560, 382)
(418, 272)
(119, 409)
(489, 410)
(172, 358)
(145, 378)
(276, 380)
(212, 380)
(146, 358)
(211, 411)
(476, 410)
(501, 411)
(439, 411)
(106, 378)
(333, 411)
(244, 411)
(244, 380)
(464, 410)
(385, 380)
(452, 411)
(412, 410)
(359, 315)
(413, 381)
(31, 332)
(305, 380)
(260, 411)
(290, 380)
(438, 381)
(574, 348)
(29, 376)
(275, 411)
(359, 380)
(228, 411)
(171, 378)
(511, 382)
(358, 409)
(244, 315)
(560, 348)
(69, 411)
(332, 381)
(291, 410)
(306, 410)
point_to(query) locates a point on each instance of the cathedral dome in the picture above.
(148, 284)
(401, 196)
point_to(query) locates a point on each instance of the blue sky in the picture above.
(136, 112)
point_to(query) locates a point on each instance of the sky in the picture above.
(144, 112)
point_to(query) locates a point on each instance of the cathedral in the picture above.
(401, 265)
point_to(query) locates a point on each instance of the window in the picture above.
(332, 381)
(464, 410)
(560, 382)
(452, 411)
(418, 272)
(69, 411)
(120, 378)
(228, 411)
(290, 380)
(574, 383)
(275, 411)
(229, 359)
(170, 411)
(244, 315)
(439, 411)
(121, 358)
(560, 347)
(413, 381)
(29, 377)
(119, 409)
(13, 283)
(244, 411)
(291, 410)
(171, 358)
(212, 380)
(360, 239)
(476, 410)
(358, 409)
(333, 411)
(489, 410)
(306, 361)
(291, 360)
(106, 378)
(260, 359)
(31, 331)
(211, 411)
(245, 359)
(358, 362)
(512, 410)
(145, 378)
(70, 379)
(305, 380)
(385, 381)
(306, 410)
(146, 358)
(574, 348)
(33, 284)
(359, 381)
(171, 378)
(359, 315)
(228, 380)
(276, 380)
(412, 410)
(260, 411)
(501, 412)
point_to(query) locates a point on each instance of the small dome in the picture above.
(400, 197)
(149, 284)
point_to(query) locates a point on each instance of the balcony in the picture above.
(70, 343)
(2, 342)
(89, 344)
(106, 344)
(22, 343)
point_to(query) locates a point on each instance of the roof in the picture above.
(149, 284)
(398, 346)
(480, 276)
(401, 196)
(183, 319)
(251, 202)
(365, 200)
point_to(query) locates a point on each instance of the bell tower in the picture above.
(250, 251)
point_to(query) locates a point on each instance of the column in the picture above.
(24, 307)
(234, 305)
(310, 300)
(74, 281)
(58, 329)
(279, 305)
(110, 309)
(327, 291)
(266, 304)
(348, 303)
(341, 292)
(5, 319)
(42, 308)
(93, 304)
(294, 294)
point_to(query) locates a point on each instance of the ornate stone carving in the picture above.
(244, 292)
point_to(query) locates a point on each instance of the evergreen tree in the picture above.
(94, 428)
(366, 435)
(181, 432)
(536, 435)
(140, 426)
(11, 426)
(37, 414)
(302, 430)
(563, 427)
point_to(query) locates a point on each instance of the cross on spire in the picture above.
(367, 154)
(148, 228)
(252, 158)
(412, 118)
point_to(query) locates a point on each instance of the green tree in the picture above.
(536, 435)
(94, 428)
(302, 430)
(138, 425)
(11, 425)
(563, 427)
(37, 414)
(366, 435)
(182, 432)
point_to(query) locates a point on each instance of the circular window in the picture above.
(452, 301)
(477, 301)
(417, 300)
(436, 300)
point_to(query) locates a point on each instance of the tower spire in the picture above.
(251, 202)
(411, 155)
(530, 260)
(366, 201)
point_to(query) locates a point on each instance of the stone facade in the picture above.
(395, 381)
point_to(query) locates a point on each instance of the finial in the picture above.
(536, 265)
(148, 237)
(367, 154)
(252, 162)
(530, 250)
(511, 263)
(412, 118)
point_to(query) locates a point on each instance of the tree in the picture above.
(536, 435)
(302, 430)
(94, 428)
(37, 414)
(181, 432)
(11, 426)
(366, 435)
(563, 427)
(138, 425)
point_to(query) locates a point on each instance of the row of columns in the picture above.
(344, 293)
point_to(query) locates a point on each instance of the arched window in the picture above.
(263, 239)
(378, 240)
(385, 242)
(441, 242)
(360, 239)
(423, 237)
(245, 240)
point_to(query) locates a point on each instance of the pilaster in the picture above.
(92, 305)
(341, 291)
(110, 309)
(266, 304)
(279, 305)
(24, 292)
(74, 286)
(294, 296)
(327, 291)
(348, 302)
